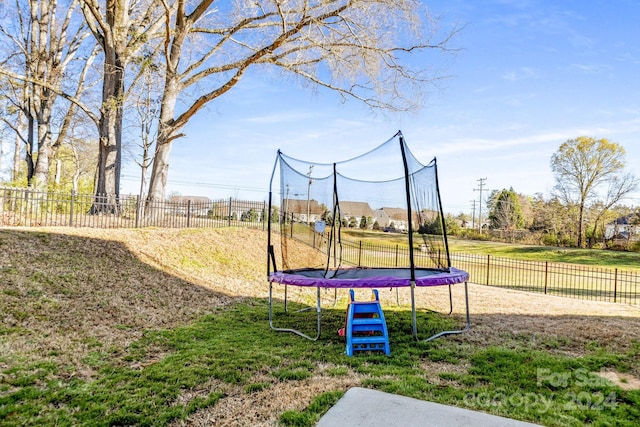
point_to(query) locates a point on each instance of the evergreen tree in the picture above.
(506, 211)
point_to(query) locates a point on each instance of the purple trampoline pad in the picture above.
(368, 277)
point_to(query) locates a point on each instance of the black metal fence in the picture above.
(561, 279)
(567, 280)
(24, 207)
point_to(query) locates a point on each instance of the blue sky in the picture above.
(531, 74)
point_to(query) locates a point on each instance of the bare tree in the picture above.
(121, 28)
(356, 48)
(12, 123)
(145, 102)
(588, 169)
(44, 44)
(617, 189)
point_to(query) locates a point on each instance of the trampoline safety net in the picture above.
(381, 209)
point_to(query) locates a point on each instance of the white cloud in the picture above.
(591, 68)
(522, 73)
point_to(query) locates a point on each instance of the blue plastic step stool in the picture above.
(366, 329)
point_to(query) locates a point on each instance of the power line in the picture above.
(203, 184)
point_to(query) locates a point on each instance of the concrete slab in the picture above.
(372, 408)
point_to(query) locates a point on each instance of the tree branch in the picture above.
(55, 90)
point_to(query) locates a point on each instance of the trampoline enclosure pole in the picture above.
(269, 247)
(407, 185)
(442, 221)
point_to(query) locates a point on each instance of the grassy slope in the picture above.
(153, 326)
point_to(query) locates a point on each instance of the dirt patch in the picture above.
(624, 381)
(263, 408)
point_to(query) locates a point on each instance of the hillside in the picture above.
(63, 289)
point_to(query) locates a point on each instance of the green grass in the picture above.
(519, 379)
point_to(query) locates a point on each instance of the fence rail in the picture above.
(23, 207)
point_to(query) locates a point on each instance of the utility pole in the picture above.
(309, 193)
(480, 189)
(473, 215)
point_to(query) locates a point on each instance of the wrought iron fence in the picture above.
(568, 280)
(24, 207)
(561, 279)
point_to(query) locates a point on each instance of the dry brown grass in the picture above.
(264, 407)
(63, 291)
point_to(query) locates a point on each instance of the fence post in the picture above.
(615, 285)
(138, 211)
(396, 255)
(359, 253)
(229, 223)
(188, 213)
(488, 265)
(546, 275)
(73, 194)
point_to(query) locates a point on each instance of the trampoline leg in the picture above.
(414, 320)
(302, 334)
(285, 298)
(468, 325)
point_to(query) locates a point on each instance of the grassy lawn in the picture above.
(232, 347)
(160, 327)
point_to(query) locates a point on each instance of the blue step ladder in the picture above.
(366, 329)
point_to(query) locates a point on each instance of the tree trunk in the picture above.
(16, 152)
(29, 152)
(580, 219)
(41, 174)
(160, 170)
(107, 187)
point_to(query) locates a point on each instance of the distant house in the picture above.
(187, 199)
(303, 210)
(394, 218)
(353, 212)
(240, 209)
(622, 228)
(237, 210)
(198, 205)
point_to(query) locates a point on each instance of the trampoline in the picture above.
(355, 278)
(322, 209)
